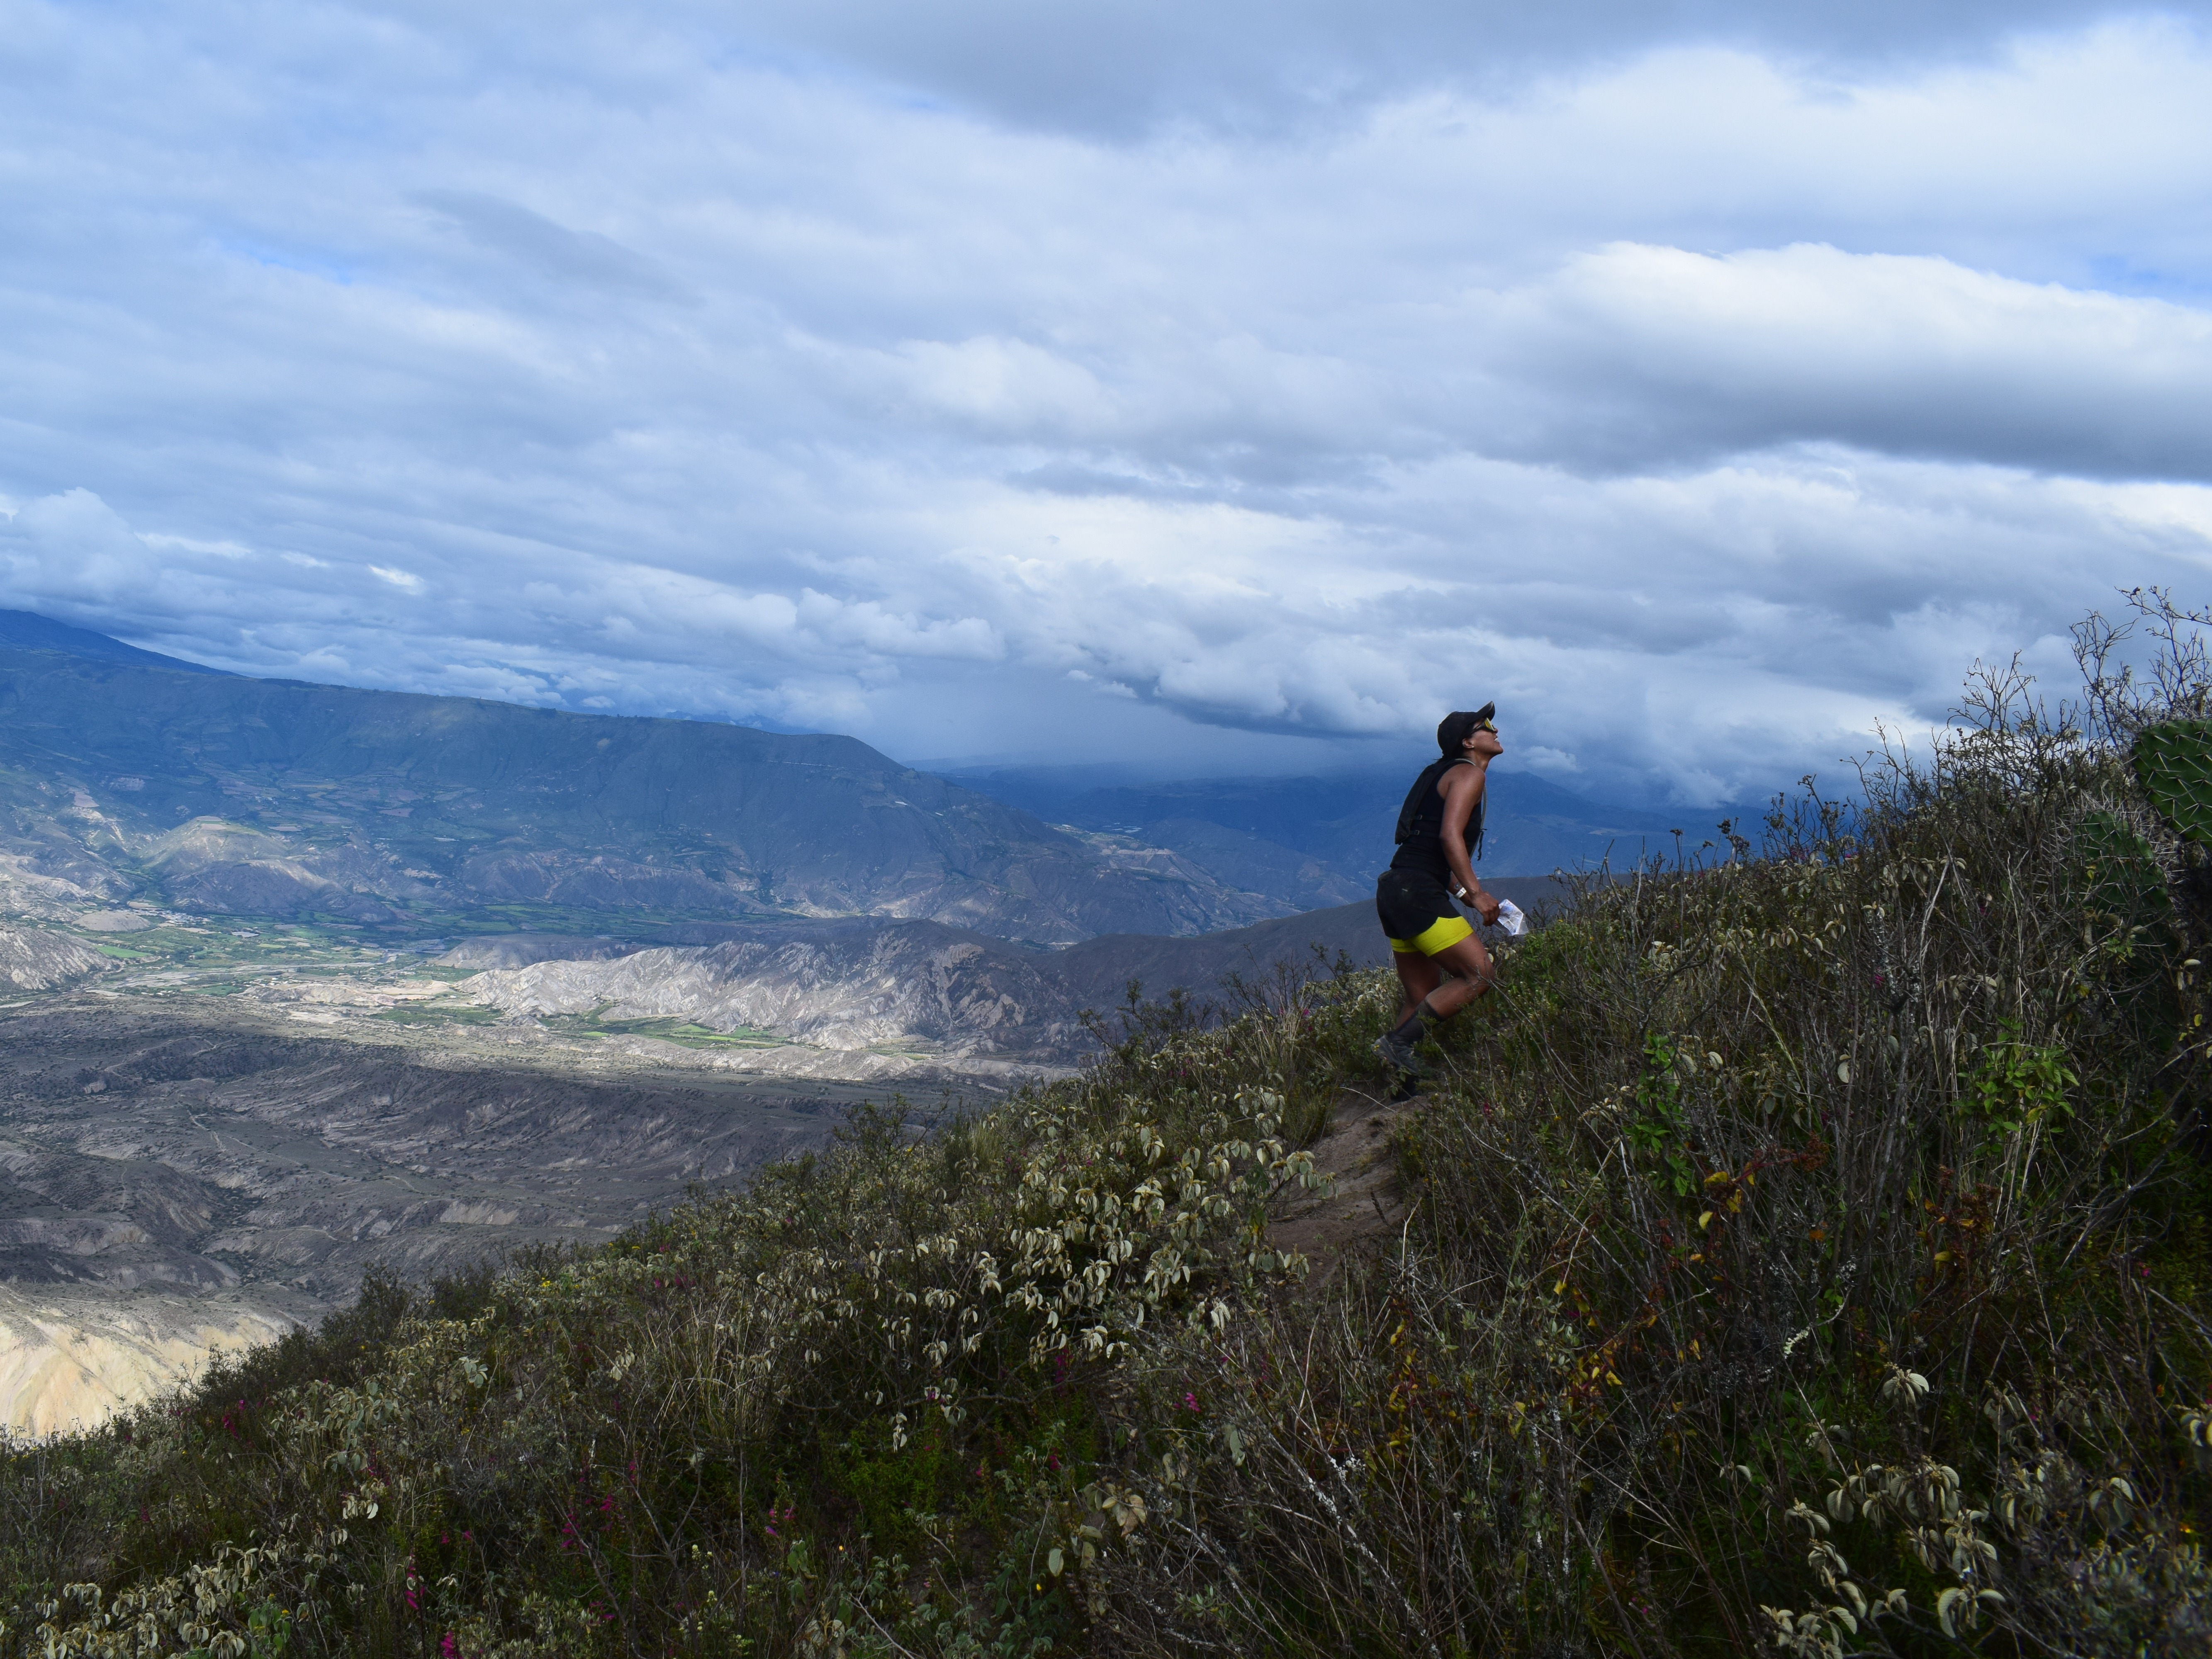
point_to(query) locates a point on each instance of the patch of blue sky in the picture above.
(2120, 273)
(329, 267)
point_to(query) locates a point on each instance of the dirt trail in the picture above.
(1368, 1207)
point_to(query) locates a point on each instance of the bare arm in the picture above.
(1462, 788)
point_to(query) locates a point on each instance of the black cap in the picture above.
(1452, 732)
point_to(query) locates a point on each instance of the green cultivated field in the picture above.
(678, 1030)
(440, 1014)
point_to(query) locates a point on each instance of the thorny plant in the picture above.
(1806, 1255)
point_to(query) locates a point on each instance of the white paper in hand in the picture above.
(1510, 921)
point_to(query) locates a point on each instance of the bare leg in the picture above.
(1417, 976)
(1471, 973)
(1436, 987)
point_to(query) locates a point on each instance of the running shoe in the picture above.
(1398, 1054)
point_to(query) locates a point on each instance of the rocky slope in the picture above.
(40, 958)
(68, 1360)
(849, 986)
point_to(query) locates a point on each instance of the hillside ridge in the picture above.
(233, 795)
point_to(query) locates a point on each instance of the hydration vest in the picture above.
(1421, 823)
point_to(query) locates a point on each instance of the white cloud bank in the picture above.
(1705, 394)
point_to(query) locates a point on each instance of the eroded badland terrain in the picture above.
(185, 1167)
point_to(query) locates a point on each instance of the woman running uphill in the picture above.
(1440, 962)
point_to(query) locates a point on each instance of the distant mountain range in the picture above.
(125, 775)
(1328, 836)
(28, 631)
(225, 794)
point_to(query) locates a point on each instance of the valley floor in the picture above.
(184, 1173)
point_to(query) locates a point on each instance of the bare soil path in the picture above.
(1366, 1207)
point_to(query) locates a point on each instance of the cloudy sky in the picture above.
(1229, 387)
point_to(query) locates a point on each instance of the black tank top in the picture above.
(1421, 823)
